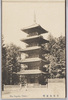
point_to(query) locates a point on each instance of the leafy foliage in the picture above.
(4, 69)
(10, 65)
(13, 55)
(57, 56)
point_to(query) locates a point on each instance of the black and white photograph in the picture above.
(33, 49)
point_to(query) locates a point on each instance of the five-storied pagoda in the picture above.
(36, 72)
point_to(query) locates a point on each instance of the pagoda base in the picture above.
(33, 80)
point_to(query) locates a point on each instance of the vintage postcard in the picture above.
(33, 49)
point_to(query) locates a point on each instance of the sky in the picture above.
(17, 15)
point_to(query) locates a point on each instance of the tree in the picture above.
(52, 41)
(13, 56)
(56, 56)
(4, 69)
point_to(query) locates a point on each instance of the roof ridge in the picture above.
(30, 26)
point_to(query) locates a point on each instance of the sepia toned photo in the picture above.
(33, 49)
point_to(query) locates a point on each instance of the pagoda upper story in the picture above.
(34, 29)
(34, 37)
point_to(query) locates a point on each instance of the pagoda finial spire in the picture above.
(34, 17)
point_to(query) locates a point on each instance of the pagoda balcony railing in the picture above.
(33, 44)
(32, 34)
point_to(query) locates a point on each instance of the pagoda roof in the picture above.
(34, 28)
(30, 72)
(33, 49)
(35, 38)
(30, 60)
(34, 60)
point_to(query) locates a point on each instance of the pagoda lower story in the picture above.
(33, 77)
(34, 68)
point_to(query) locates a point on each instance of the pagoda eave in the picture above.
(29, 49)
(29, 72)
(34, 60)
(34, 49)
(31, 39)
(34, 28)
